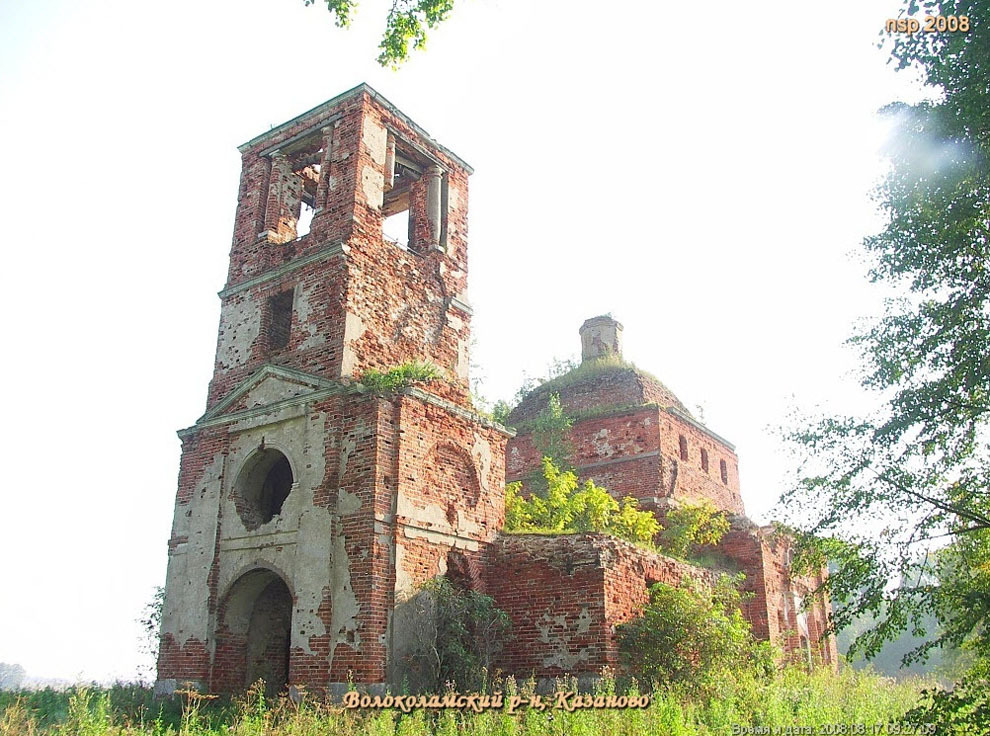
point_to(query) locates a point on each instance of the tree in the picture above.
(900, 493)
(408, 21)
(692, 636)
(551, 433)
(151, 626)
(11, 676)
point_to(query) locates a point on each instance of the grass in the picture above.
(399, 377)
(585, 371)
(793, 698)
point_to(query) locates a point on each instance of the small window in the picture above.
(280, 323)
(724, 470)
(704, 460)
(683, 442)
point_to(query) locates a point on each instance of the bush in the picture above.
(461, 632)
(569, 508)
(692, 638)
(692, 525)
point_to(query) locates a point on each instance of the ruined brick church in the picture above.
(309, 508)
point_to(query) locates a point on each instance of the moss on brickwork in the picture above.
(596, 412)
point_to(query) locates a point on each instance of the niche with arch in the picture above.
(451, 478)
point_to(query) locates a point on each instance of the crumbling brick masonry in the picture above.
(309, 508)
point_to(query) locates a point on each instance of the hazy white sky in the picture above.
(702, 176)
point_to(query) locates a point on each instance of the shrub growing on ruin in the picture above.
(692, 638)
(570, 507)
(459, 634)
(692, 525)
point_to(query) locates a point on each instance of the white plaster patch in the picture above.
(463, 359)
(430, 516)
(584, 621)
(481, 451)
(553, 630)
(312, 571)
(185, 613)
(273, 389)
(441, 538)
(353, 329)
(373, 185)
(375, 139)
(304, 311)
(240, 323)
(601, 443)
(347, 446)
(344, 619)
(347, 503)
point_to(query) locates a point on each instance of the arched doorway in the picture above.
(253, 635)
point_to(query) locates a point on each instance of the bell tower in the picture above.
(310, 507)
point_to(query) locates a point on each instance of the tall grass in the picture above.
(793, 698)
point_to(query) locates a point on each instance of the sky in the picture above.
(704, 176)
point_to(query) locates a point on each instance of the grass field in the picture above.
(793, 701)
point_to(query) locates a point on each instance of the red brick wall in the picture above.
(764, 557)
(190, 662)
(399, 301)
(693, 482)
(636, 452)
(565, 594)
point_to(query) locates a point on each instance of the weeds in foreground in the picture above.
(792, 698)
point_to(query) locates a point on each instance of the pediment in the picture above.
(269, 385)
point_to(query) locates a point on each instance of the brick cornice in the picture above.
(333, 249)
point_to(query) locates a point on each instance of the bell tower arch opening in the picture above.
(254, 634)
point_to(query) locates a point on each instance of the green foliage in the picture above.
(399, 377)
(692, 525)
(817, 700)
(962, 711)
(901, 493)
(500, 411)
(692, 638)
(550, 433)
(407, 23)
(569, 507)
(461, 631)
(558, 367)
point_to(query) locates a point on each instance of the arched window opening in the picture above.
(262, 487)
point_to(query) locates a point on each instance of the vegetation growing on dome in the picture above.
(562, 374)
